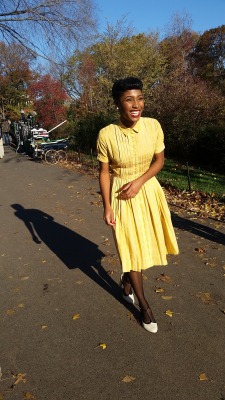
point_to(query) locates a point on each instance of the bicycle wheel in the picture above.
(62, 155)
(51, 157)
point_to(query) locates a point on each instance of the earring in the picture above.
(117, 108)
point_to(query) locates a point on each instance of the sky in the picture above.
(150, 16)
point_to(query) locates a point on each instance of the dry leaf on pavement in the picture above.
(166, 297)
(203, 377)
(11, 311)
(18, 378)
(159, 290)
(164, 278)
(28, 396)
(169, 313)
(128, 378)
(199, 250)
(205, 297)
(76, 316)
(102, 345)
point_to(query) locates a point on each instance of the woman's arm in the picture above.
(131, 189)
(104, 182)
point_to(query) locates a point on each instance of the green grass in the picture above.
(176, 175)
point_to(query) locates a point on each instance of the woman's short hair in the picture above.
(122, 85)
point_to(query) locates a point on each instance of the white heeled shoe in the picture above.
(152, 326)
(129, 298)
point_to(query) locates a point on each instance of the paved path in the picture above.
(52, 240)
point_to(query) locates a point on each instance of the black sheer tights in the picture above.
(134, 279)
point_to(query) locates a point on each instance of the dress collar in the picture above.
(126, 130)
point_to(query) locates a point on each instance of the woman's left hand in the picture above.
(130, 189)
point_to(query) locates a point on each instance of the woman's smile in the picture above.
(131, 105)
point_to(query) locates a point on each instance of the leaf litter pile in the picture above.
(200, 203)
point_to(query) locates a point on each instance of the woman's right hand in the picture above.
(108, 216)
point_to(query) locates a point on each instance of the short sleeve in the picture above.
(160, 146)
(102, 151)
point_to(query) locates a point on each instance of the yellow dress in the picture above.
(143, 233)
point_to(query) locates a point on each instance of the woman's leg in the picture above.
(136, 281)
(126, 284)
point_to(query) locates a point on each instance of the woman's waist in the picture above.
(128, 175)
(123, 179)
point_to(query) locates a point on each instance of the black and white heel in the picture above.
(129, 298)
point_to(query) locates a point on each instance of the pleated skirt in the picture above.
(144, 233)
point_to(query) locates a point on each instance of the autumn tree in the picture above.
(91, 73)
(49, 101)
(15, 76)
(46, 27)
(208, 57)
(188, 109)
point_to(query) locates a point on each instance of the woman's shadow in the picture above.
(72, 249)
(198, 229)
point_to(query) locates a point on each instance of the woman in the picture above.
(133, 200)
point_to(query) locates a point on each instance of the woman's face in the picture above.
(131, 105)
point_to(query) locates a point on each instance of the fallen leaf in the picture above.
(128, 378)
(131, 316)
(164, 278)
(212, 264)
(205, 297)
(199, 250)
(21, 305)
(76, 316)
(19, 378)
(28, 396)
(203, 377)
(11, 311)
(43, 327)
(102, 345)
(106, 242)
(43, 261)
(25, 278)
(169, 313)
(166, 297)
(159, 290)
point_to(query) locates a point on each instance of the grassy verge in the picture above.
(176, 175)
(173, 174)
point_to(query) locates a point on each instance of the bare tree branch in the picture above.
(46, 27)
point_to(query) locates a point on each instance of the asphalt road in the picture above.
(60, 298)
